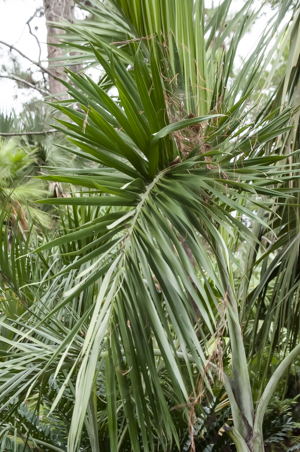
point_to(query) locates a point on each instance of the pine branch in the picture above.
(29, 59)
(14, 134)
(30, 30)
(30, 85)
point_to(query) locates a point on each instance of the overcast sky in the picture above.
(13, 29)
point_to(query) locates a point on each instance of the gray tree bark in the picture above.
(55, 11)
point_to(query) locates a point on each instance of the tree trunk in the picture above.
(56, 10)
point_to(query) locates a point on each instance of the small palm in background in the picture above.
(18, 189)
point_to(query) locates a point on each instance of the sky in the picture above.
(13, 29)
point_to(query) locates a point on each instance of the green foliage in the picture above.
(281, 420)
(18, 191)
